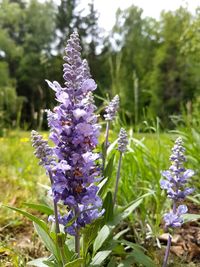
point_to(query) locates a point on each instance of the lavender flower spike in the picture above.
(45, 153)
(122, 147)
(75, 131)
(174, 183)
(112, 109)
(122, 141)
(42, 150)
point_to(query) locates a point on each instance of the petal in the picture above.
(55, 85)
(164, 184)
(182, 209)
(188, 191)
(167, 174)
(88, 85)
(78, 113)
(188, 173)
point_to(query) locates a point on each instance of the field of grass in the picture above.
(21, 180)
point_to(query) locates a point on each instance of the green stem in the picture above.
(106, 143)
(59, 240)
(117, 179)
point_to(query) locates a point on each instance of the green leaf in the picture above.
(109, 167)
(39, 207)
(143, 259)
(100, 257)
(75, 263)
(38, 262)
(108, 206)
(190, 217)
(119, 234)
(101, 237)
(106, 230)
(50, 264)
(47, 240)
(107, 174)
(90, 233)
(111, 147)
(127, 211)
(33, 218)
(138, 254)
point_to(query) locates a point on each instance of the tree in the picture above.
(172, 80)
(136, 41)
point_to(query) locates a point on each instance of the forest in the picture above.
(153, 65)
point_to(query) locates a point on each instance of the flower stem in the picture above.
(117, 179)
(167, 251)
(77, 243)
(107, 134)
(106, 143)
(55, 208)
(58, 237)
(56, 216)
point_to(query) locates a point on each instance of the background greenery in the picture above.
(152, 64)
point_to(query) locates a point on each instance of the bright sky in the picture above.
(152, 8)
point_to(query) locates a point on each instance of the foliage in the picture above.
(161, 56)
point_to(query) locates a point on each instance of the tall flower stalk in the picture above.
(74, 131)
(45, 154)
(122, 147)
(175, 184)
(111, 111)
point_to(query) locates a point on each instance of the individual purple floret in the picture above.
(74, 131)
(122, 141)
(111, 109)
(175, 184)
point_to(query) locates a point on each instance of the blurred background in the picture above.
(150, 57)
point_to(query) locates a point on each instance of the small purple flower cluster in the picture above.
(176, 178)
(111, 109)
(74, 131)
(122, 141)
(42, 151)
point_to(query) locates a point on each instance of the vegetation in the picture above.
(161, 57)
(153, 65)
(146, 157)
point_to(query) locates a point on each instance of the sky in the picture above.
(152, 8)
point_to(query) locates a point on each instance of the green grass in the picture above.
(20, 174)
(148, 154)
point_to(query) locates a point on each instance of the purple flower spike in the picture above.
(175, 179)
(111, 109)
(122, 141)
(42, 150)
(74, 131)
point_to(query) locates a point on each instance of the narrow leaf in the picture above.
(101, 237)
(126, 212)
(38, 262)
(190, 217)
(33, 218)
(100, 257)
(108, 206)
(47, 240)
(75, 263)
(39, 207)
